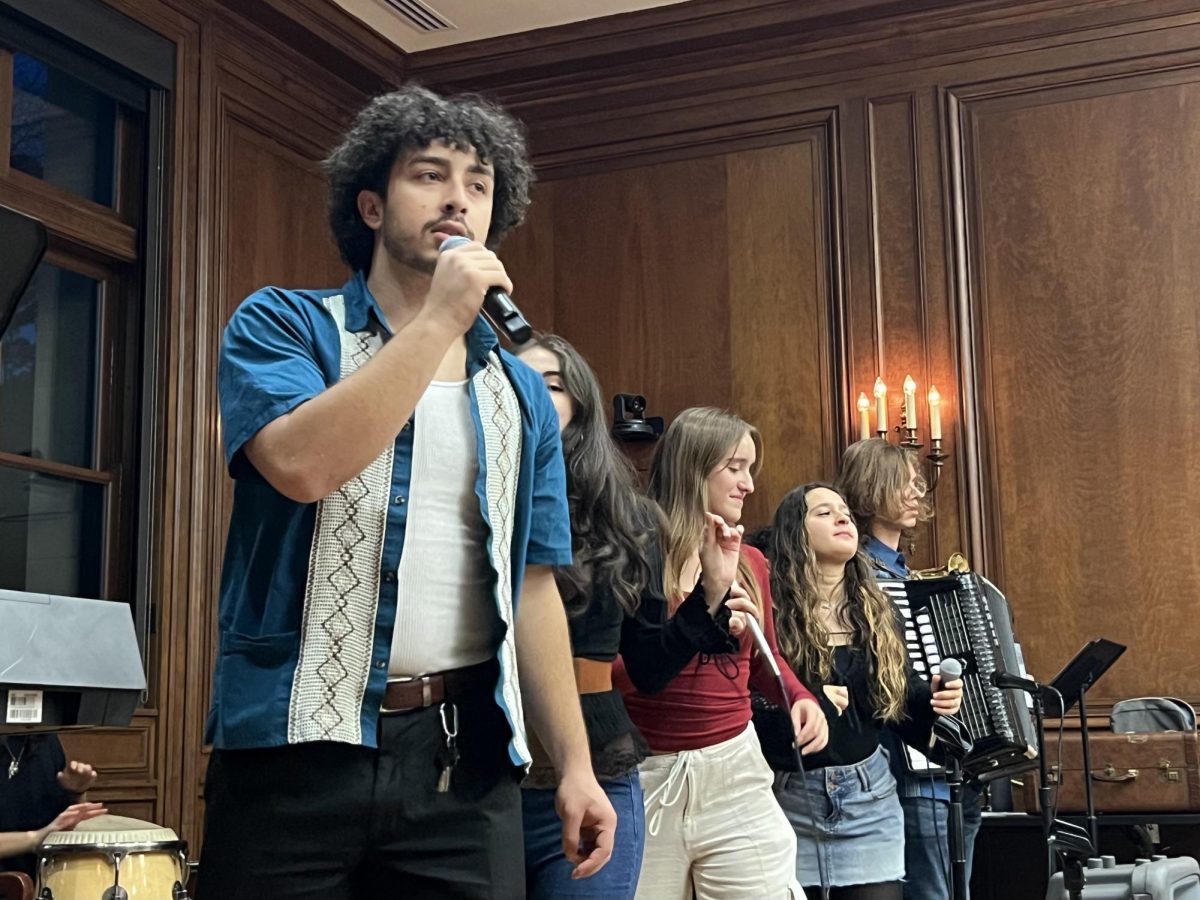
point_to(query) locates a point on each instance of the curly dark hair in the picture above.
(612, 525)
(803, 638)
(412, 118)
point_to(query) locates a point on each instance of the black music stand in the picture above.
(1071, 684)
(20, 252)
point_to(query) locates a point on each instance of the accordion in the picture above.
(962, 615)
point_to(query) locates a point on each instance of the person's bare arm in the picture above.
(315, 448)
(14, 843)
(551, 702)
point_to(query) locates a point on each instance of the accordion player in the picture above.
(957, 613)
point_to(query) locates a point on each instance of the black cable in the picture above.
(817, 832)
(768, 656)
(1058, 753)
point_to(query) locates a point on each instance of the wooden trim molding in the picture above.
(79, 221)
(331, 37)
(6, 103)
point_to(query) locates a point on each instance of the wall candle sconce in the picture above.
(881, 424)
(907, 429)
(864, 416)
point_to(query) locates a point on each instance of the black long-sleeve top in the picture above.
(855, 734)
(654, 647)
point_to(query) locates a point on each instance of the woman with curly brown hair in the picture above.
(839, 633)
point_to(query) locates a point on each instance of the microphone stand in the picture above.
(1044, 789)
(1036, 691)
(1071, 843)
(1088, 789)
(1073, 846)
(957, 744)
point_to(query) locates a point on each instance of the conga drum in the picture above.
(113, 858)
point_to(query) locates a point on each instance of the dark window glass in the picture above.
(63, 131)
(48, 363)
(51, 534)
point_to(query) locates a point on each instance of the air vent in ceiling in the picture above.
(420, 16)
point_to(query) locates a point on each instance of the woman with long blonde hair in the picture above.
(714, 830)
(838, 631)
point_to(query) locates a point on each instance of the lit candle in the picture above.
(864, 416)
(910, 403)
(935, 414)
(880, 406)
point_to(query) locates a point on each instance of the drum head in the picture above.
(112, 830)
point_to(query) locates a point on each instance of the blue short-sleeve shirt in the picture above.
(280, 349)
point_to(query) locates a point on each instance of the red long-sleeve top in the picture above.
(709, 700)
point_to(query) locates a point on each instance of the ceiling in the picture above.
(475, 20)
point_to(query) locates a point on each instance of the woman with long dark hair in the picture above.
(714, 829)
(837, 630)
(614, 600)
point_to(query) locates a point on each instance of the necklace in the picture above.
(15, 765)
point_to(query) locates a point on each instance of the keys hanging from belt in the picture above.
(448, 758)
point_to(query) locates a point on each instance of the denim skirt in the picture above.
(851, 816)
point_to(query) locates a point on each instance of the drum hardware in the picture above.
(160, 873)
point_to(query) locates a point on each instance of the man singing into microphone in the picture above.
(388, 609)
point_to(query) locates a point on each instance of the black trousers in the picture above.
(339, 822)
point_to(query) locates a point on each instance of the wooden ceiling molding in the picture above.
(329, 36)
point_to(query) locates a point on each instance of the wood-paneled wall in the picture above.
(765, 205)
(761, 205)
(704, 270)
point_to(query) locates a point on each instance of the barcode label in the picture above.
(24, 707)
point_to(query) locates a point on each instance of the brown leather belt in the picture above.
(592, 676)
(403, 696)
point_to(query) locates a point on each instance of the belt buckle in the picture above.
(426, 694)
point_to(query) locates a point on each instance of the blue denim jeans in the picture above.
(927, 843)
(547, 871)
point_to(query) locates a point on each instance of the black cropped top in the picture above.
(654, 647)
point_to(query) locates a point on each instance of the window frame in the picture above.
(126, 244)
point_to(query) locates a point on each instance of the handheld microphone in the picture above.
(950, 669)
(497, 305)
(760, 642)
(950, 730)
(1016, 682)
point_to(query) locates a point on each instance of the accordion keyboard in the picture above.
(965, 617)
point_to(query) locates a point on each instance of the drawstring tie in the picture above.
(677, 780)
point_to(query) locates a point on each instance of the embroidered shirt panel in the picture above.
(280, 349)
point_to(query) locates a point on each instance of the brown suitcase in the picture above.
(1130, 772)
